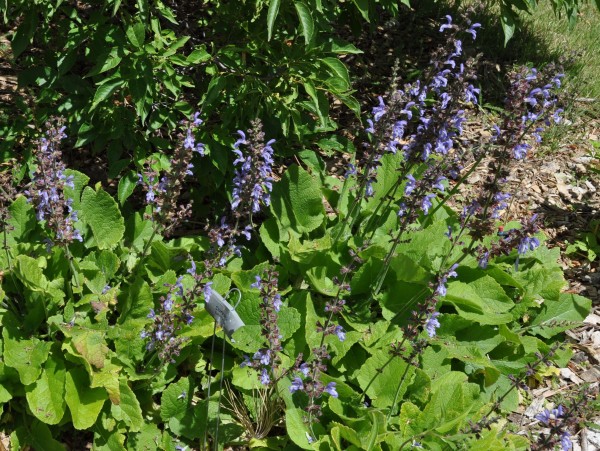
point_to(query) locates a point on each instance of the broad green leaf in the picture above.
(37, 435)
(127, 184)
(199, 55)
(25, 31)
(108, 378)
(138, 301)
(101, 213)
(382, 375)
(363, 8)
(136, 34)
(271, 16)
(80, 181)
(147, 439)
(25, 356)
(176, 399)
(105, 90)
(297, 429)
(297, 202)
(85, 403)
(91, 345)
(306, 20)
(46, 396)
(507, 18)
(128, 410)
(482, 300)
(29, 272)
(22, 219)
(558, 315)
(338, 68)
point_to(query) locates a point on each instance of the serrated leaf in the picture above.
(22, 219)
(104, 91)
(297, 203)
(101, 212)
(127, 184)
(89, 344)
(25, 356)
(85, 403)
(37, 436)
(46, 396)
(136, 34)
(306, 20)
(176, 399)
(382, 375)
(199, 55)
(338, 68)
(568, 308)
(271, 16)
(129, 408)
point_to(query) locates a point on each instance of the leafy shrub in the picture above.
(381, 309)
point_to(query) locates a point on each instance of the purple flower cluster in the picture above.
(47, 189)
(174, 312)
(522, 239)
(266, 360)
(163, 190)
(424, 120)
(531, 105)
(443, 279)
(252, 183)
(554, 419)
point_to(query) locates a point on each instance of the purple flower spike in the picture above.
(330, 389)
(447, 25)
(472, 30)
(339, 331)
(426, 203)
(432, 324)
(410, 185)
(207, 291)
(296, 385)
(264, 377)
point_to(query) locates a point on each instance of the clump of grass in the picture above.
(582, 40)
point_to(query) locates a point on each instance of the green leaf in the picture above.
(108, 378)
(136, 34)
(101, 212)
(296, 428)
(338, 68)
(128, 410)
(80, 181)
(91, 345)
(37, 435)
(482, 300)
(25, 32)
(308, 26)
(382, 375)
(46, 396)
(199, 55)
(507, 17)
(85, 403)
(176, 399)
(568, 308)
(271, 16)
(29, 272)
(22, 219)
(25, 356)
(127, 184)
(297, 203)
(105, 90)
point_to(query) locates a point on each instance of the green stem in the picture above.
(402, 378)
